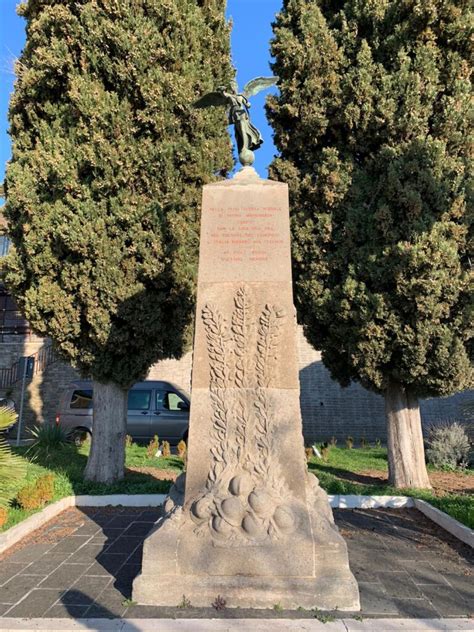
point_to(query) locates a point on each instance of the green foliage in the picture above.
(108, 161)
(448, 446)
(68, 464)
(373, 123)
(12, 469)
(340, 475)
(36, 494)
(47, 438)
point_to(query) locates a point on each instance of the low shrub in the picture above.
(181, 448)
(45, 487)
(309, 453)
(3, 516)
(333, 442)
(47, 438)
(350, 442)
(363, 442)
(152, 447)
(448, 446)
(165, 449)
(325, 449)
(35, 495)
(128, 441)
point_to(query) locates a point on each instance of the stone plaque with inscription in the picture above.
(246, 522)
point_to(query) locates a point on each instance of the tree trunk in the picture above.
(106, 463)
(406, 454)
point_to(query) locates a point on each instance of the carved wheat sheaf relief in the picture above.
(244, 502)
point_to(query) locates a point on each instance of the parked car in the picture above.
(154, 408)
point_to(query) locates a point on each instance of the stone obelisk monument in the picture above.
(246, 522)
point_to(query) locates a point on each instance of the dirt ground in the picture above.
(442, 482)
(161, 475)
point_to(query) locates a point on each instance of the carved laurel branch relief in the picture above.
(245, 496)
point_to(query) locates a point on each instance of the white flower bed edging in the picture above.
(350, 501)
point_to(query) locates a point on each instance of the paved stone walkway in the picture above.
(82, 565)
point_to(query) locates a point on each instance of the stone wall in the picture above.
(327, 409)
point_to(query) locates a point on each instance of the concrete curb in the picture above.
(453, 526)
(352, 501)
(16, 533)
(237, 625)
(124, 500)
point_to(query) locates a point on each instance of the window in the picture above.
(169, 400)
(139, 400)
(174, 400)
(4, 245)
(82, 400)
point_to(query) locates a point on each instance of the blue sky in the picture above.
(250, 48)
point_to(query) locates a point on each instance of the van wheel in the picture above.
(79, 437)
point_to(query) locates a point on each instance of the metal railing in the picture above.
(38, 361)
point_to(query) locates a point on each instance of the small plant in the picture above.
(35, 495)
(363, 442)
(47, 438)
(278, 607)
(309, 453)
(3, 516)
(153, 447)
(349, 442)
(320, 616)
(184, 603)
(219, 603)
(325, 449)
(45, 487)
(378, 443)
(448, 446)
(165, 449)
(128, 441)
(181, 448)
(127, 603)
(333, 442)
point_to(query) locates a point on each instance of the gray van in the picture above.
(154, 408)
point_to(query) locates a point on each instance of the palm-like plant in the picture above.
(12, 468)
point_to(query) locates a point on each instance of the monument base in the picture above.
(308, 569)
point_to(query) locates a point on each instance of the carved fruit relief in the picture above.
(244, 501)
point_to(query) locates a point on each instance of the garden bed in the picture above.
(360, 471)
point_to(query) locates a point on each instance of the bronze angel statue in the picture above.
(247, 135)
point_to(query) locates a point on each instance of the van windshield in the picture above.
(82, 399)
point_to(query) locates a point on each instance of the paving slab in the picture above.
(63, 583)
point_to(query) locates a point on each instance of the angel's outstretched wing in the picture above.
(210, 99)
(256, 85)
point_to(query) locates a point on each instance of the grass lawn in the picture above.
(354, 471)
(345, 472)
(68, 463)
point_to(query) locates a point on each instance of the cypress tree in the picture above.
(373, 127)
(103, 188)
